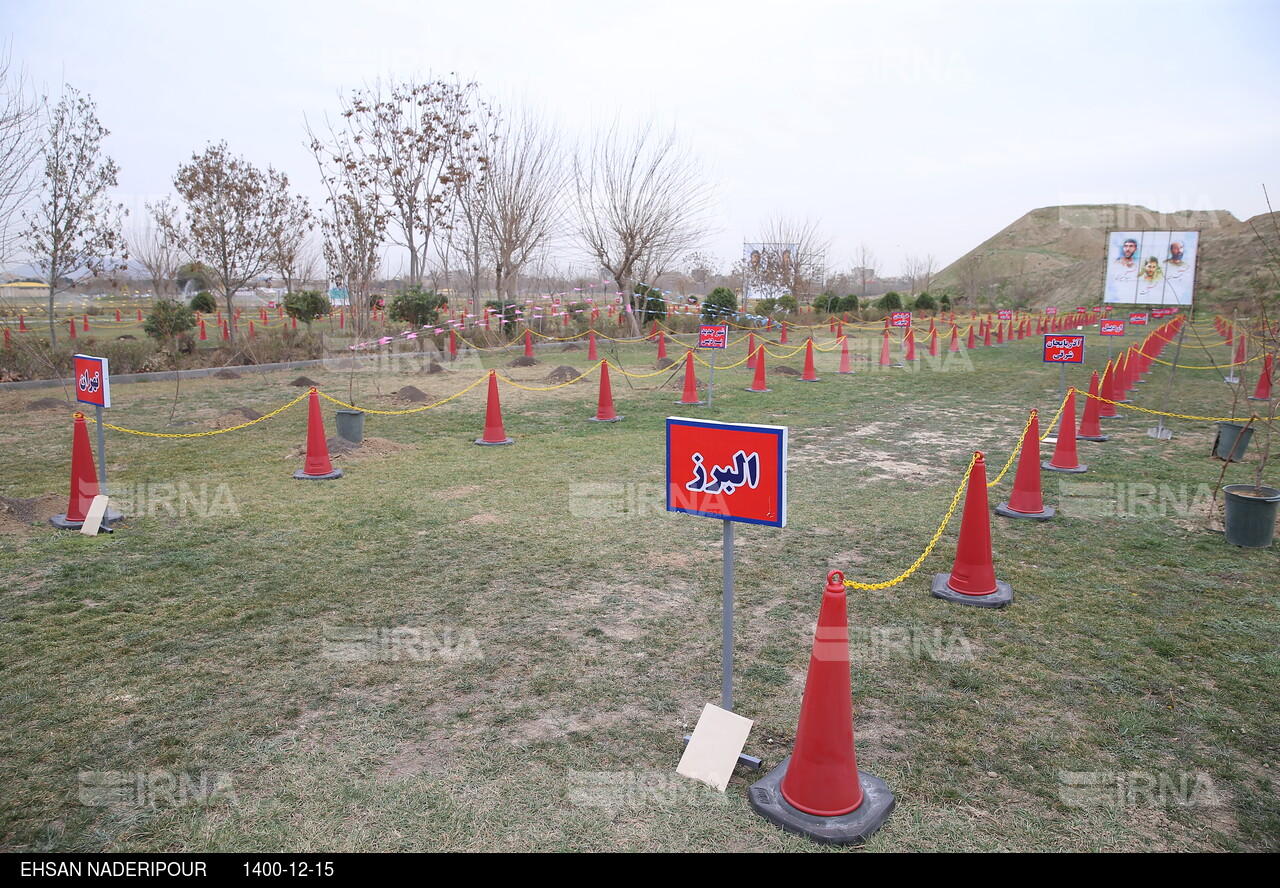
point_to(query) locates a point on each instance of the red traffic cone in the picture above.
(971, 343)
(933, 342)
(6, 338)
(494, 433)
(817, 790)
(751, 351)
(884, 349)
(84, 481)
(1026, 501)
(653, 332)
(73, 328)
(810, 372)
(1108, 391)
(690, 382)
(117, 315)
(528, 344)
(604, 408)
(86, 324)
(986, 336)
(1090, 428)
(203, 335)
(758, 384)
(226, 330)
(973, 577)
(139, 314)
(342, 319)
(453, 344)
(591, 347)
(955, 338)
(844, 355)
(909, 344)
(252, 334)
(1064, 454)
(1263, 391)
(783, 339)
(662, 344)
(22, 323)
(317, 467)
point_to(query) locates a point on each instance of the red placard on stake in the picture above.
(735, 472)
(93, 381)
(1138, 317)
(900, 319)
(712, 336)
(1004, 314)
(1111, 328)
(1051, 310)
(1059, 349)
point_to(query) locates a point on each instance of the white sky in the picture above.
(917, 127)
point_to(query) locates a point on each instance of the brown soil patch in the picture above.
(433, 368)
(11, 402)
(563, 373)
(127, 336)
(483, 518)
(571, 347)
(341, 447)
(305, 382)
(663, 363)
(46, 404)
(20, 514)
(237, 417)
(413, 395)
(784, 370)
(523, 361)
(226, 374)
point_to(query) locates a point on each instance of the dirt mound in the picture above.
(11, 402)
(523, 361)
(433, 368)
(663, 363)
(226, 374)
(413, 395)
(46, 404)
(305, 382)
(572, 347)
(127, 336)
(563, 373)
(237, 417)
(18, 515)
(785, 370)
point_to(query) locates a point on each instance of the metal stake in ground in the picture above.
(1160, 433)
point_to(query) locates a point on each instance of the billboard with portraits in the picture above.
(769, 270)
(1151, 267)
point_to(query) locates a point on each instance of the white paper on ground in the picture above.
(713, 750)
(93, 517)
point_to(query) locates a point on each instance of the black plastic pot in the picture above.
(1232, 434)
(1250, 515)
(351, 425)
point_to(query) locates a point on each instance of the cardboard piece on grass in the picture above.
(713, 750)
(93, 516)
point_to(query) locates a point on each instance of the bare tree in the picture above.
(467, 234)
(919, 271)
(21, 138)
(74, 226)
(801, 265)
(642, 201)
(156, 245)
(866, 267)
(234, 213)
(414, 139)
(527, 177)
(296, 223)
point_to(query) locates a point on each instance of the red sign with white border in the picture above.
(93, 381)
(731, 471)
(900, 319)
(1163, 312)
(1111, 328)
(1138, 317)
(1060, 349)
(1004, 314)
(1051, 310)
(713, 336)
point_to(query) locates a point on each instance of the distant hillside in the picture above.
(1055, 256)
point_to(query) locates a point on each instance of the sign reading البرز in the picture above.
(1060, 349)
(732, 471)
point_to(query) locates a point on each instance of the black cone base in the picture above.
(1049, 467)
(61, 522)
(847, 829)
(598, 419)
(1044, 515)
(483, 443)
(327, 476)
(1002, 597)
(1093, 437)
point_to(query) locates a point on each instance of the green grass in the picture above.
(573, 625)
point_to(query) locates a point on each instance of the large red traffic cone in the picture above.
(604, 408)
(783, 339)
(528, 344)
(494, 433)
(591, 347)
(971, 344)
(884, 349)
(653, 333)
(690, 381)
(986, 336)
(844, 356)
(1064, 454)
(1107, 390)
(810, 374)
(1090, 428)
(662, 344)
(817, 791)
(1263, 391)
(751, 351)
(453, 343)
(317, 467)
(1027, 501)
(203, 335)
(758, 384)
(909, 345)
(22, 323)
(73, 328)
(933, 340)
(84, 481)
(973, 577)
(955, 338)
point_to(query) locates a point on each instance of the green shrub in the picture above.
(307, 306)
(204, 302)
(505, 314)
(720, 305)
(849, 303)
(655, 303)
(766, 306)
(924, 302)
(827, 302)
(891, 301)
(944, 302)
(168, 320)
(788, 303)
(414, 305)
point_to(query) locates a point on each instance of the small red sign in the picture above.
(1138, 317)
(900, 319)
(1080, 309)
(712, 336)
(736, 472)
(93, 381)
(1111, 328)
(1163, 312)
(1060, 349)
(1051, 310)
(1004, 314)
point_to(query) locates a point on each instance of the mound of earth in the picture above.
(413, 395)
(663, 363)
(228, 374)
(563, 373)
(46, 404)
(127, 336)
(785, 370)
(523, 361)
(11, 402)
(433, 368)
(237, 417)
(19, 514)
(305, 382)
(572, 347)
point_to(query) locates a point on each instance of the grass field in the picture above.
(466, 648)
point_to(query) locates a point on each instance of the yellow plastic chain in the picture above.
(411, 409)
(278, 410)
(1158, 412)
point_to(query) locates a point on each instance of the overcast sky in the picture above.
(917, 127)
